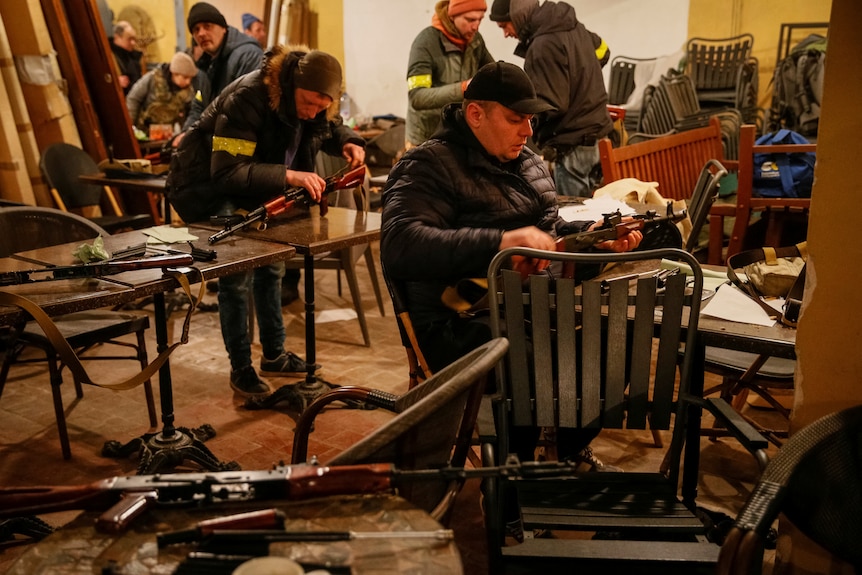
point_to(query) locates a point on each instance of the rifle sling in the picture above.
(70, 358)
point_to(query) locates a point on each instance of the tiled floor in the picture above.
(30, 452)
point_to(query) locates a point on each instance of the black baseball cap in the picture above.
(508, 85)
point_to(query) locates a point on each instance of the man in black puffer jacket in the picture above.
(470, 191)
(259, 136)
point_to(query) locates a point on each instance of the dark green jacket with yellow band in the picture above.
(435, 71)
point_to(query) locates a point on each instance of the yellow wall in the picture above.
(761, 18)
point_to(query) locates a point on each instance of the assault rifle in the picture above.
(614, 228)
(92, 270)
(125, 498)
(291, 197)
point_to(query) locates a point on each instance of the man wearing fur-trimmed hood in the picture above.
(258, 137)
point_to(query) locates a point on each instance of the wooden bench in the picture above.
(674, 161)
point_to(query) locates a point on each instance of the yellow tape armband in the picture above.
(198, 96)
(233, 146)
(423, 81)
(602, 50)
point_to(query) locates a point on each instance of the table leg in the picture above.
(300, 395)
(169, 448)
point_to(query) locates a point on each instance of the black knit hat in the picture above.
(203, 12)
(500, 11)
(508, 85)
(319, 72)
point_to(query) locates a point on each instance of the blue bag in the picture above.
(783, 175)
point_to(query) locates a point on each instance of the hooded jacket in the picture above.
(446, 205)
(238, 54)
(560, 58)
(435, 72)
(233, 156)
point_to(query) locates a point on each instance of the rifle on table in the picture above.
(127, 497)
(292, 197)
(92, 270)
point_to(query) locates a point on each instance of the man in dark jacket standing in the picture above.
(124, 44)
(227, 55)
(470, 191)
(562, 59)
(259, 136)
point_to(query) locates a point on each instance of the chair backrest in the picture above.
(591, 355)
(674, 161)
(714, 64)
(745, 200)
(704, 195)
(42, 227)
(418, 369)
(434, 425)
(815, 481)
(61, 165)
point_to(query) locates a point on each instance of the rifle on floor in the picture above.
(292, 197)
(93, 270)
(127, 497)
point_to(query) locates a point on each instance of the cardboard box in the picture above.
(26, 27)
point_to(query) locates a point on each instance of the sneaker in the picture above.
(515, 530)
(285, 365)
(587, 457)
(246, 383)
(212, 286)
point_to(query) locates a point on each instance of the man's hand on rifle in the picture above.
(626, 243)
(355, 155)
(308, 180)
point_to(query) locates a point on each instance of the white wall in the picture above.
(378, 35)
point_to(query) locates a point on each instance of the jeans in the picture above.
(265, 283)
(578, 173)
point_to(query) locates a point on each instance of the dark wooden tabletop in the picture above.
(233, 255)
(312, 234)
(147, 184)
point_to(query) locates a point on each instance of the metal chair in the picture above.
(702, 198)
(61, 166)
(433, 425)
(42, 227)
(814, 481)
(718, 67)
(592, 357)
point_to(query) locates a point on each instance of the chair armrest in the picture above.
(743, 431)
(305, 424)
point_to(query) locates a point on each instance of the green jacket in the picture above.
(434, 75)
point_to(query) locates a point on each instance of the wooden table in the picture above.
(78, 549)
(153, 186)
(171, 445)
(312, 234)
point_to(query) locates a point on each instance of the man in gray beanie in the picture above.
(227, 55)
(259, 136)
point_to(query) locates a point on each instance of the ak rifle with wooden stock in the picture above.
(127, 497)
(93, 270)
(614, 228)
(292, 197)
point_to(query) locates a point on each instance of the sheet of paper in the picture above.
(168, 235)
(594, 209)
(329, 315)
(730, 303)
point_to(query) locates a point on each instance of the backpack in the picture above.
(783, 175)
(797, 87)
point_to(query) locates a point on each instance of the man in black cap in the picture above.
(259, 136)
(227, 55)
(453, 202)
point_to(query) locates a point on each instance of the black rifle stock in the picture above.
(92, 270)
(127, 497)
(290, 198)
